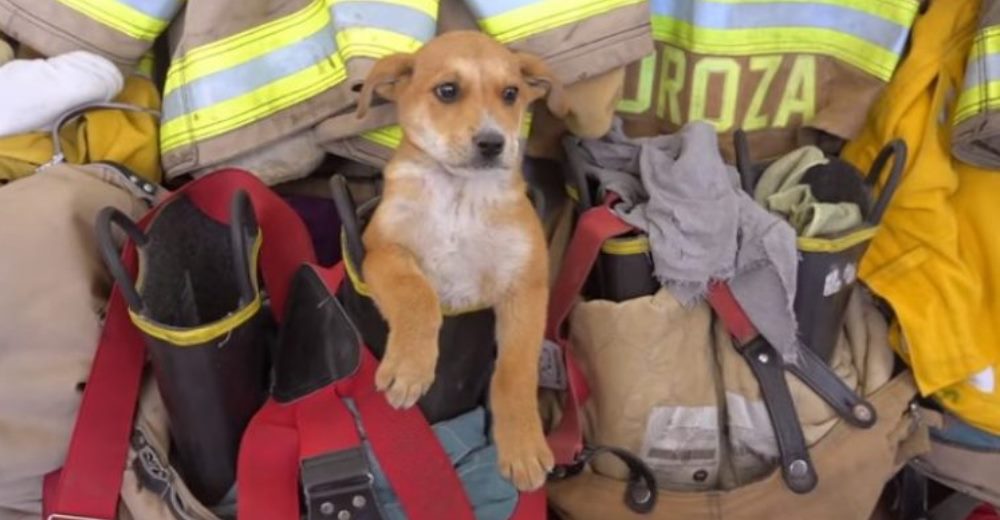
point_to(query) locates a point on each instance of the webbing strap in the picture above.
(281, 436)
(768, 368)
(91, 478)
(594, 227)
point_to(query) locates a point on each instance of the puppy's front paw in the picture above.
(405, 376)
(524, 459)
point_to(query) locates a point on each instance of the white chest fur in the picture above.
(469, 256)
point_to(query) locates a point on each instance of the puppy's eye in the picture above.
(509, 95)
(446, 92)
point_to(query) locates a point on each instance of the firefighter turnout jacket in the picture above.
(936, 257)
(247, 73)
(776, 69)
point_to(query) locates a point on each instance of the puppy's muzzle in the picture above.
(490, 144)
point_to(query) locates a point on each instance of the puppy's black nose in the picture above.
(490, 144)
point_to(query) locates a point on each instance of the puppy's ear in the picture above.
(543, 83)
(384, 79)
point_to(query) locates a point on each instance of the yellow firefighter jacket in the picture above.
(936, 257)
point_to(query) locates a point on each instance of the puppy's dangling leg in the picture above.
(410, 306)
(524, 456)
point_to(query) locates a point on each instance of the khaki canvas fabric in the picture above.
(52, 28)
(206, 29)
(668, 385)
(973, 472)
(592, 103)
(852, 466)
(138, 502)
(207, 22)
(6, 52)
(54, 291)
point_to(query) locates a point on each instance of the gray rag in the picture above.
(701, 225)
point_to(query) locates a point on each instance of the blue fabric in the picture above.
(465, 441)
(955, 431)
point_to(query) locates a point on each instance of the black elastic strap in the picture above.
(818, 376)
(796, 465)
(640, 490)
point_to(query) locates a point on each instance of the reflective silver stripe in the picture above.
(163, 9)
(317, 47)
(793, 15)
(393, 17)
(984, 69)
(247, 77)
(489, 8)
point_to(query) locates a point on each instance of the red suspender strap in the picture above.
(721, 298)
(409, 453)
(90, 481)
(594, 227)
(268, 469)
(280, 436)
(91, 477)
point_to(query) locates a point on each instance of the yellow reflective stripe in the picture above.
(428, 7)
(572, 192)
(392, 136)
(833, 245)
(120, 17)
(389, 136)
(897, 11)
(864, 55)
(200, 335)
(245, 46)
(981, 91)
(247, 108)
(145, 66)
(626, 246)
(370, 42)
(979, 98)
(197, 336)
(544, 15)
(362, 289)
(987, 42)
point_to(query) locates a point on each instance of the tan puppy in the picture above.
(455, 228)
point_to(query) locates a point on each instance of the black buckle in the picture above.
(640, 490)
(339, 486)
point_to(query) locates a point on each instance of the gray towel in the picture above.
(701, 226)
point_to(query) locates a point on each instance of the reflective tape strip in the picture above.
(899, 11)
(248, 45)
(235, 81)
(428, 7)
(241, 79)
(145, 66)
(249, 76)
(369, 42)
(863, 25)
(402, 19)
(987, 42)
(139, 19)
(252, 106)
(981, 91)
(392, 136)
(510, 20)
(373, 29)
(871, 42)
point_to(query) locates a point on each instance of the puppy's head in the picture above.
(461, 99)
